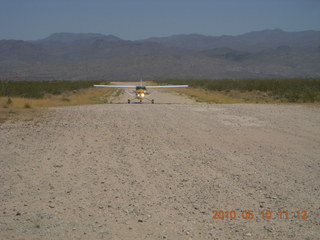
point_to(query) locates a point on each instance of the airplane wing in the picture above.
(121, 86)
(114, 86)
(169, 86)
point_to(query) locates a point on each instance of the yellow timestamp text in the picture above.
(265, 214)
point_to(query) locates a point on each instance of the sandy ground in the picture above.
(157, 171)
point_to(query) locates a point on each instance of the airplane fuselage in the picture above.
(141, 92)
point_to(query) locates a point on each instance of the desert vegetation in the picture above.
(251, 90)
(29, 94)
(38, 89)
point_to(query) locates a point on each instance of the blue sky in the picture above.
(138, 19)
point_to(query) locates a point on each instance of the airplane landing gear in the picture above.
(129, 101)
(152, 101)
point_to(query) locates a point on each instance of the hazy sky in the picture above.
(138, 19)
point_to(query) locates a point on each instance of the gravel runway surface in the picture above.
(158, 171)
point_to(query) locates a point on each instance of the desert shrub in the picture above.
(294, 90)
(9, 101)
(27, 105)
(37, 89)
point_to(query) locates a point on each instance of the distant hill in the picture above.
(261, 54)
(252, 41)
(76, 38)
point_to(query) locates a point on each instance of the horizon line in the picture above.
(166, 36)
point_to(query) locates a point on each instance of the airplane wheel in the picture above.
(152, 101)
(128, 101)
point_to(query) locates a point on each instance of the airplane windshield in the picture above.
(140, 87)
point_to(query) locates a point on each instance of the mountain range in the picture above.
(261, 54)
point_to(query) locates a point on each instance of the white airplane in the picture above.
(141, 91)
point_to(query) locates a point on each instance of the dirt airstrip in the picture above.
(158, 171)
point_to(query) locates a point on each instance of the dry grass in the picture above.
(26, 109)
(257, 90)
(227, 97)
(81, 97)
